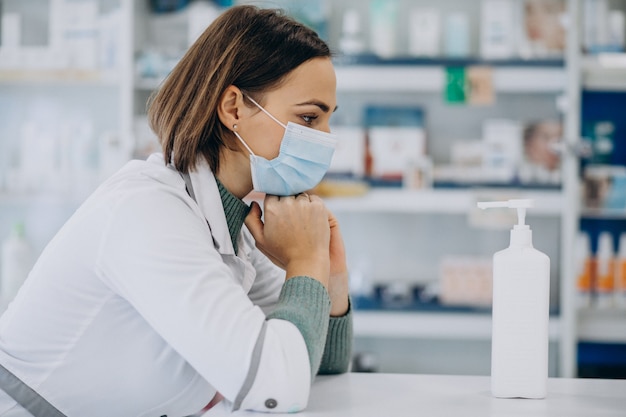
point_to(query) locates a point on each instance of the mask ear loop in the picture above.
(244, 143)
(264, 111)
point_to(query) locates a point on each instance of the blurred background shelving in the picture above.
(69, 118)
(442, 201)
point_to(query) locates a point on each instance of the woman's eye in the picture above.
(308, 119)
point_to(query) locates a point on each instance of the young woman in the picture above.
(154, 298)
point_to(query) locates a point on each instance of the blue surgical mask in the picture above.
(302, 162)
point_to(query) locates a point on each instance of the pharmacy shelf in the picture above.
(596, 325)
(148, 84)
(600, 214)
(443, 201)
(432, 78)
(604, 72)
(61, 77)
(49, 199)
(429, 325)
(411, 77)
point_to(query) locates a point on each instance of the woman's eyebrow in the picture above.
(323, 106)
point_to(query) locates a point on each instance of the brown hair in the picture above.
(251, 48)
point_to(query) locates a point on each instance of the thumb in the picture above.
(254, 223)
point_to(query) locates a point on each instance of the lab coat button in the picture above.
(271, 403)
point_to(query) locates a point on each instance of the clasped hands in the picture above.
(300, 235)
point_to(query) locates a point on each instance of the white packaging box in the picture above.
(503, 149)
(425, 32)
(465, 281)
(383, 27)
(349, 156)
(595, 23)
(457, 35)
(394, 148)
(498, 29)
(110, 40)
(199, 16)
(617, 30)
(11, 30)
(74, 27)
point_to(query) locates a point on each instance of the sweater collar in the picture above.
(235, 211)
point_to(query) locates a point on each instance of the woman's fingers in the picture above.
(294, 231)
(253, 221)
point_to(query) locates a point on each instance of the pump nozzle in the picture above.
(520, 204)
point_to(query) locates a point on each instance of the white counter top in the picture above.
(396, 395)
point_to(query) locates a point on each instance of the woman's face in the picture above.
(306, 97)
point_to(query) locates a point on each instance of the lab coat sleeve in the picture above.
(157, 253)
(305, 303)
(269, 277)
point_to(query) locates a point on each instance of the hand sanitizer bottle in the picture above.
(521, 289)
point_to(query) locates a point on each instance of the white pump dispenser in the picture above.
(521, 298)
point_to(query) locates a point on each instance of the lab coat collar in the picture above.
(210, 203)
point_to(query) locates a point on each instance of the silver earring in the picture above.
(234, 127)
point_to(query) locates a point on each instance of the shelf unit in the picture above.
(424, 76)
(608, 326)
(434, 325)
(60, 77)
(51, 198)
(430, 77)
(603, 72)
(615, 214)
(431, 325)
(443, 201)
(72, 92)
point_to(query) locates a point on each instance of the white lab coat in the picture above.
(138, 307)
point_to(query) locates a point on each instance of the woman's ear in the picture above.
(230, 106)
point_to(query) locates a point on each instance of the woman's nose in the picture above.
(325, 127)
